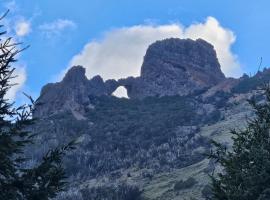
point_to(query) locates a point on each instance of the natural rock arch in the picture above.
(170, 67)
(120, 92)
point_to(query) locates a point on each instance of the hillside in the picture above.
(152, 145)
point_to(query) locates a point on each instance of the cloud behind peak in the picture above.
(119, 53)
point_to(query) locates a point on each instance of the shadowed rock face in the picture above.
(170, 67)
(72, 93)
(176, 67)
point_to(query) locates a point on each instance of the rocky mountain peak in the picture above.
(75, 74)
(177, 67)
(72, 93)
(186, 55)
(171, 67)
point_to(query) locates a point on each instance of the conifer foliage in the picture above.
(246, 167)
(19, 181)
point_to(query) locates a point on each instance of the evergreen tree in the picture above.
(246, 167)
(17, 181)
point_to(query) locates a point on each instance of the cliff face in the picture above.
(72, 93)
(176, 67)
(171, 67)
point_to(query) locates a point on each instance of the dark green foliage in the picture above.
(180, 185)
(207, 192)
(48, 178)
(142, 133)
(155, 134)
(18, 181)
(265, 195)
(118, 192)
(246, 167)
(153, 118)
(220, 99)
(251, 83)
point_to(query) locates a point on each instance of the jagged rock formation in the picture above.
(176, 67)
(170, 67)
(72, 93)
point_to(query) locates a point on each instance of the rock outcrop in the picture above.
(171, 67)
(176, 67)
(72, 93)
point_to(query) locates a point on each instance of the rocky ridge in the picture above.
(171, 67)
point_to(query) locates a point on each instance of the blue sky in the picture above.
(65, 32)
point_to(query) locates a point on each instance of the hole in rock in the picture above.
(120, 92)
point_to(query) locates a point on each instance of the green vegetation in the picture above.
(207, 192)
(220, 99)
(251, 83)
(143, 133)
(150, 136)
(119, 192)
(20, 180)
(180, 185)
(246, 167)
(152, 118)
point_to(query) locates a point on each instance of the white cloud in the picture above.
(19, 73)
(120, 52)
(16, 26)
(222, 39)
(56, 27)
(19, 80)
(22, 28)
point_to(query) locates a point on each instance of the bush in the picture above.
(246, 165)
(207, 192)
(180, 185)
(252, 83)
(119, 192)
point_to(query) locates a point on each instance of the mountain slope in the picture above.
(153, 144)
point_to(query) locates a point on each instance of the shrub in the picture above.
(206, 192)
(180, 185)
(119, 192)
(246, 166)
